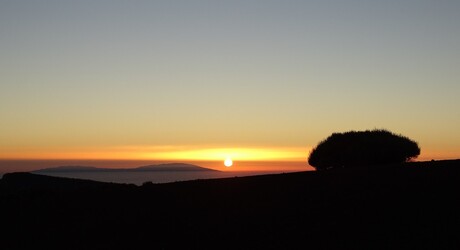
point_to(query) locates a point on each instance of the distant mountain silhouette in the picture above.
(173, 167)
(168, 167)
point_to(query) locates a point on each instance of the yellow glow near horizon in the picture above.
(241, 154)
(177, 153)
(183, 153)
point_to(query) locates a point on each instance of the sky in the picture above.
(203, 80)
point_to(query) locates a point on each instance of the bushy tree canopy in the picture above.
(362, 148)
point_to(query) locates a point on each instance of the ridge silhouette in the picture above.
(409, 206)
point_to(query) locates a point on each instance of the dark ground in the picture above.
(407, 206)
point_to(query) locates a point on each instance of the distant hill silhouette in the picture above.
(400, 206)
(173, 167)
(159, 167)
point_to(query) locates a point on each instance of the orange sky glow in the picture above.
(244, 158)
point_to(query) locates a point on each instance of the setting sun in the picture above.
(228, 162)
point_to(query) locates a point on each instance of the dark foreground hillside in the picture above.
(412, 206)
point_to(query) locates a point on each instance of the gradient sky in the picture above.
(201, 80)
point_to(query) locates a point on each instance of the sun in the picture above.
(228, 162)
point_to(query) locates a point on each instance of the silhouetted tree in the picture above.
(362, 148)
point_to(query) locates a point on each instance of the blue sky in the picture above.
(76, 74)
